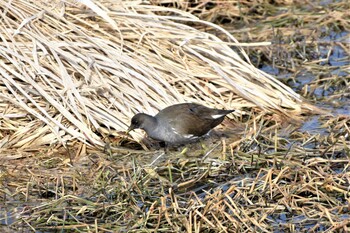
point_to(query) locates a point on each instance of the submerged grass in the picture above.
(269, 180)
(262, 175)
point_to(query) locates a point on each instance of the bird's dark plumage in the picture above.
(179, 123)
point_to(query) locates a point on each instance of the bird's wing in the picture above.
(208, 113)
(190, 123)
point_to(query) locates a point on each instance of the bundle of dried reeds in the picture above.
(69, 71)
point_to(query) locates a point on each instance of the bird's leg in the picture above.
(204, 147)
(165, 146)
(184, 150)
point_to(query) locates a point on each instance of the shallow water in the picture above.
(336, 58)
(335, 99)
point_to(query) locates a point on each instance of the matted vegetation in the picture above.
(72, 75)
(267, 183)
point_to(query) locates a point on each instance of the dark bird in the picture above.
(179, 123)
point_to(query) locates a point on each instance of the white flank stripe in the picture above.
(173, 129)
(217, 116)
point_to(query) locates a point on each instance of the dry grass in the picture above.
(74, 72)
(265, 182)
(67, 72)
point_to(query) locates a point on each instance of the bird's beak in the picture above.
(131, 128)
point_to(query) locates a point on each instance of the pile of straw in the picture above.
(75, 71)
